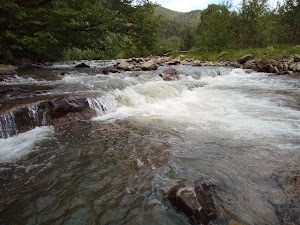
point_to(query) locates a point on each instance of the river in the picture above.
(237, 127)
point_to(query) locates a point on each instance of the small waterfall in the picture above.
(102, 104)
(8, 127)
(33, 115)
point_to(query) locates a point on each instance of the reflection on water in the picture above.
(239, 129)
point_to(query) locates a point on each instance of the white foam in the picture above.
(16, 147)
(211, 110)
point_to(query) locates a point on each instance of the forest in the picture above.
(49, 30)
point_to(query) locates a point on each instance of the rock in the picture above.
(297, 67)
(245, 58)
(61, 107)
(292, 66)
(150, 65)
(173, 62)
(222, 54)
(297, 58)
(250, 64)
(196, 202)
(123, 65)
(269, 68)
(82, 65)
(110, 69)
(169, 74)
(233, 222)
(8, 72)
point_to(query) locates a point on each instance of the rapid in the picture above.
(238, 127)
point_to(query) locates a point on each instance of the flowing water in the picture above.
(239, 128)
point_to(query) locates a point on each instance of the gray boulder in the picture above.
(245, 58)
(150, 65)
(170, 74)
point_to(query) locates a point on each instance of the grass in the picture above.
(275, 52)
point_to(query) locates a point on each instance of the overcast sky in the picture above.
(189, 5)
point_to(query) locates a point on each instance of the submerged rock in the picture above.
(196, 202)
(82, 65)
(170, 74)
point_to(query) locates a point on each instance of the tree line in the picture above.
(51, 29)
(46, 29)
(252, 24)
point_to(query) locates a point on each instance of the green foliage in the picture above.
(277, 51)
(48, 29)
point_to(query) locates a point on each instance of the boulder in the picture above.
(269, 68)
(150, 65)
(170, 74)
(110, 69)
(196, 202)
(222, 54)
(82, 65)
(76, 105)
(173, 62)
(297, 58)
(123, 65)
(245, 58)
(8, 72)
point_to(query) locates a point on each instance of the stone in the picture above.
(82, 65)
(297, 58)
(195, 202)
(245, 58)
(150, 65)
(269, 68)
(170, 74)
(8, 72)
(222, 54)
(250, 64)
(123, 65)
(110, 69)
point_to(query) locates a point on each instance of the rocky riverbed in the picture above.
(150, 141)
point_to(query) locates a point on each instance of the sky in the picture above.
(189, 5)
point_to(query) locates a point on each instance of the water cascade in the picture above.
(237, 129)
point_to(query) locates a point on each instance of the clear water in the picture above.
(237, 127)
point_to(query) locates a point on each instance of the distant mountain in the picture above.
(178, 16)
(168, 13)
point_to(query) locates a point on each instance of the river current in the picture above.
(238, 127)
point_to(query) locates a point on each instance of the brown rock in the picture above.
(123, 65)
(245, 58)
(197, 203)
(169, 74)
(150, 65)
(82, 65)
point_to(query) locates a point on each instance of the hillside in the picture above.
(168, 13)
(178, 16)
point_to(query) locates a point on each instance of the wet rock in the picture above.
(8, 72)
(110, 69)
(250, 64)
(196, 202)
(123, 65)
(82, 65)
(245, 58)
(289, 181)
(222, 54)
(297, 58)
(150, 65)
(170, 74)
(66, 110)
(173, 62)
(269, 68)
